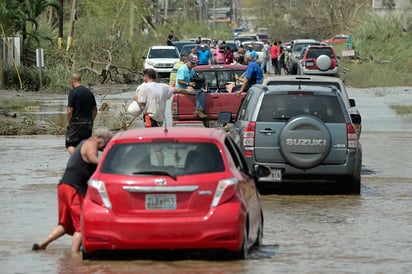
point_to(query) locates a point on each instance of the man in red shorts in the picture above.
(72, 188)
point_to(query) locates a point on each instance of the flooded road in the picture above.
(370, 233)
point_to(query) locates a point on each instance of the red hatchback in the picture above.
(174, 189)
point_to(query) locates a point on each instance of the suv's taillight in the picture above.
(249, 138)
(249, 135)
(352, 136)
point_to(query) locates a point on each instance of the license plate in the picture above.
(160, 201)
(275, 176)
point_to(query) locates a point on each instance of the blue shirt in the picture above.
(254, 73)
(184, 74)
(253, 53)
(204, 56)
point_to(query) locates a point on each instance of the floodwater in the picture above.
(370, 233)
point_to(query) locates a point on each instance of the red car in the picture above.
(337, 39)
(172, 189)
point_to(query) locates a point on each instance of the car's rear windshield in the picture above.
(306, 83)
(162, 158)
(298, 47)
(282, 107)
(163, 53)
(316, 52)
(188, 48)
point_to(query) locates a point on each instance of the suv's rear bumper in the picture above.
(351, 167)
(320, 72)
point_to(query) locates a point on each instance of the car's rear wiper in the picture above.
(155, 172)
(282, 118)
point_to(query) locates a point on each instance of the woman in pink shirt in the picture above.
(218, 54)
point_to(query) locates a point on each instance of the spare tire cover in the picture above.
(305, 141)
(323, 62)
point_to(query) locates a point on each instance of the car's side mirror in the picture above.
(352, 102)
(261, 171)
(224, 117)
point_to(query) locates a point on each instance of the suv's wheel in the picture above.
(305, 141)
(323, 62)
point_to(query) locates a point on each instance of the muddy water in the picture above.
(369, 233)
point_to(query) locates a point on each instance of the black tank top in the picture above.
(77, 171)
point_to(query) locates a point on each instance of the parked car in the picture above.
(217, 97)
(239, 40)
(258, 47)
(179, 44)
(172, 189)
(162, 59)
(186, 49)
(319, 60)
(295, 51)
(337, 39)
(304, 133)
(337, 83)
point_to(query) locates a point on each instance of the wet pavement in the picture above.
(369, 233)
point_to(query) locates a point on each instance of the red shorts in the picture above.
(70, 208)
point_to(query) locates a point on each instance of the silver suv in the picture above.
(317, 80)
(304, 133)
(295, 50)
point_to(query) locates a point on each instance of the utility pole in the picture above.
(70, 37)
(60, 39)
(405, 15)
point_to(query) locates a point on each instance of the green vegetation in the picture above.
(402, 109)
(110, 37)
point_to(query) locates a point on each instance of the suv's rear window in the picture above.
(174, 158)
(282, 107)
(300, 46)
(315, 53)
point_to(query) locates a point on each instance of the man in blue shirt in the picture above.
(183, 80)
(203, 55)
(251, 51)
(253, 75)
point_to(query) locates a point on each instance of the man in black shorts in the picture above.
(81, 112)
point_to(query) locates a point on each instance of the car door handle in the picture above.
(267, 131)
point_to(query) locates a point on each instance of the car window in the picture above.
(188, 48)
(225, 76)
(300, 46)
(315, 53)
(282, 107)
(237, 157)
(176, 158)
(163, 53)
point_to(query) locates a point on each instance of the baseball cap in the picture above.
(202, 46)
(192, 60)
(250, 46)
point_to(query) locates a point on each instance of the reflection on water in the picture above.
(369, 233)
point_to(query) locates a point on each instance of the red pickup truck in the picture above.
(217, 97)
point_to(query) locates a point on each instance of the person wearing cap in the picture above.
(183, 80)
(203, 55)
(251, 51)
(253, 75)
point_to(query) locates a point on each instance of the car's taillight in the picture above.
(225, 190)
(175, 103)
(249, 135)
(333, 64)
(98, 194)
(352, 136)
